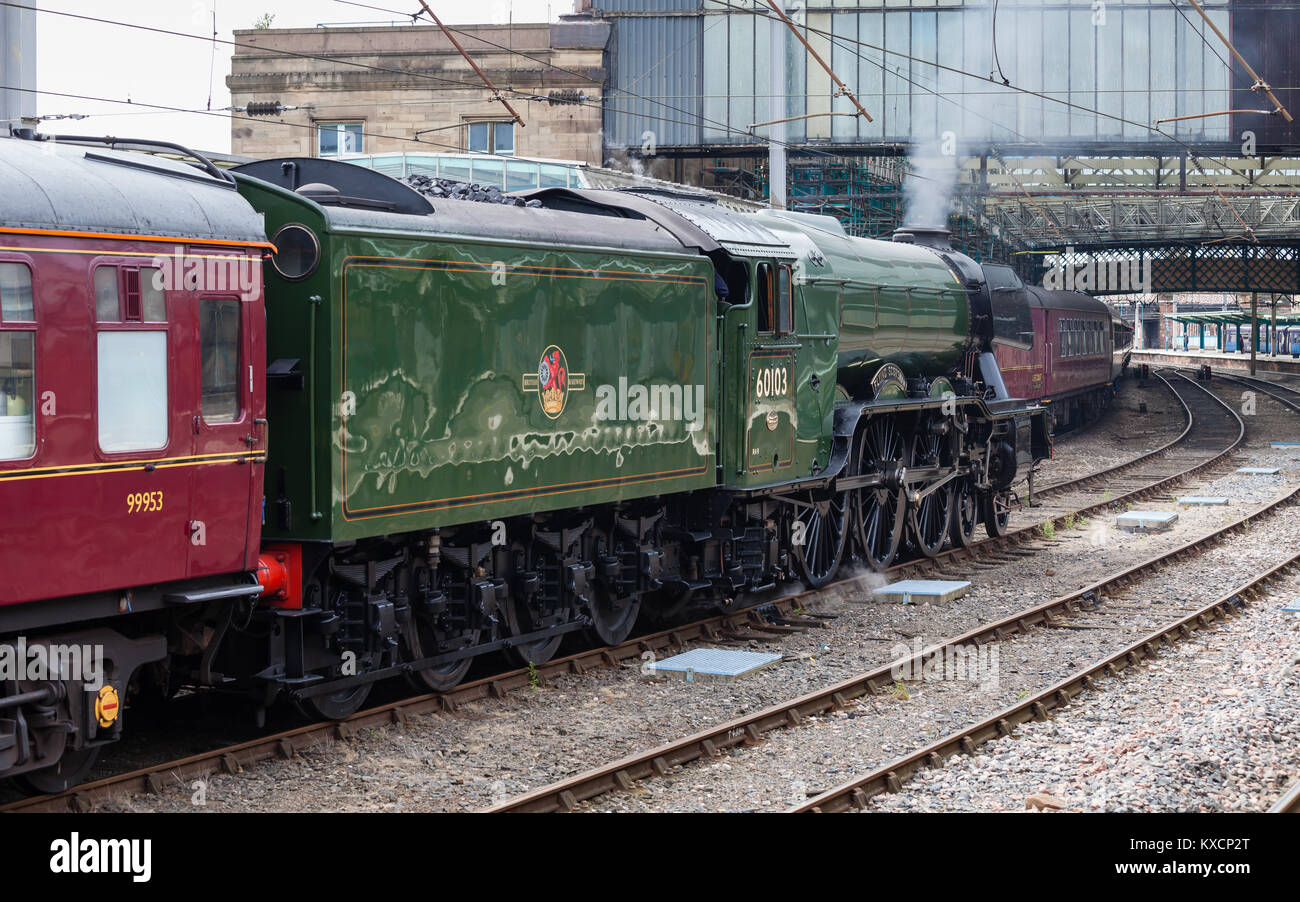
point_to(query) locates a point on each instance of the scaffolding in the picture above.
(866, 195)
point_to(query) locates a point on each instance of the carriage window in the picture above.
(219, 350)
(141, 289)
(17, 424)
(16, 293)
(152, 301)
(132, 388)
(17, 363)
(108, 308)
(763, 300)
(784, 301)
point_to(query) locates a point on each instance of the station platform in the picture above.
(1264, 363)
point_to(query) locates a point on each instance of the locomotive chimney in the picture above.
(933, 238)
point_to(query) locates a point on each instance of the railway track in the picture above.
(1087, 602)
(767, 619)
(1289, 803)
(858, 792)
(1084, 607)
(1211, 425)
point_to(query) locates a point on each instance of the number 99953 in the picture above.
(144, 502)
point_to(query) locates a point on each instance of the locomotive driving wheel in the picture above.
(965, 512)
(929, 518)
(879, 511)
(819, 533)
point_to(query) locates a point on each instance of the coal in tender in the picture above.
(431, 186)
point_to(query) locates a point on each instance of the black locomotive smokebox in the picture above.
(939, 239)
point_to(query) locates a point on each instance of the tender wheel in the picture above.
(428, 636)
(440, 677)
(997, 513)
(72, 769)
(336, 705)
(821, 525)
(929, 520)
(965, 513)
(520, 620)
(612, 622)
(879, 512)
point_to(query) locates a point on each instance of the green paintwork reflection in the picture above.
(442, 350)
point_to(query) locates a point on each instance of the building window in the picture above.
(219, 353)
(492, 137)
(17, 362)
(334, 138)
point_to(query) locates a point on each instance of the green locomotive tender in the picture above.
(496, 425)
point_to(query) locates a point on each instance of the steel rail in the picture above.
(564, 795)
(858, 792)
(1289, 803)
(1057, 487)
(286, 744)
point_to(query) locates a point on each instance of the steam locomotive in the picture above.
(429, 431)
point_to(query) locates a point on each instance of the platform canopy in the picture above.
(1234, 318)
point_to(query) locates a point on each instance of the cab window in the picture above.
(784, 300)
(763, 299)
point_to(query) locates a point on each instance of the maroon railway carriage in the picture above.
(132, 430)
(1068, 360)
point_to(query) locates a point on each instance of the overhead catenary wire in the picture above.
(1010, 87)
(496, 94)
(702, 120)
(1213, 49)
(165, 108)
(698, 119)
(1260, 84)
(353, 63)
